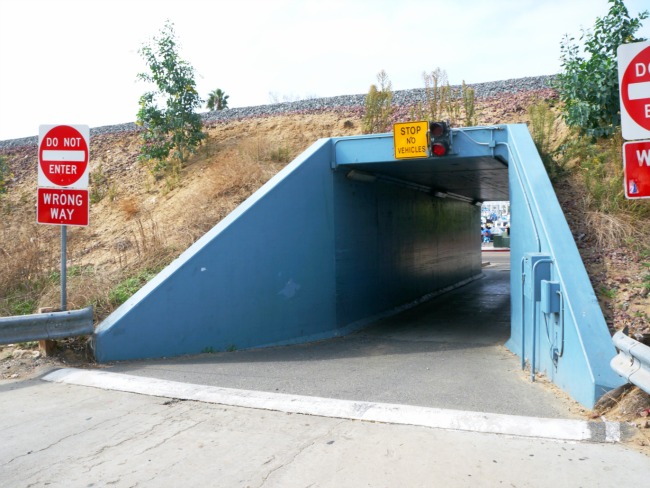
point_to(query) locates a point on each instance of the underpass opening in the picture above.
(346, 234)
(556, 325)
(408, 229)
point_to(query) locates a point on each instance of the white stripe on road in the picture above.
(559, 429)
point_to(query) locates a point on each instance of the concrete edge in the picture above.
(513, 425)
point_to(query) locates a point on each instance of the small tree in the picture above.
(168, 115)
(588, 85)
(217, 100)
(378, 109)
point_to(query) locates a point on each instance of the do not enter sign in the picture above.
(634, 81)
(63, 156)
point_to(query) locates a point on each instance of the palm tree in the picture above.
(217, 100)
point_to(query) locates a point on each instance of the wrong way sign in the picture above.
(636, 165)
(62, 206)
(634, 83)
(63, 153)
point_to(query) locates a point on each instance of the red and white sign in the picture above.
(62, 206)
(63, 156)
(634, 82)
(636, 166)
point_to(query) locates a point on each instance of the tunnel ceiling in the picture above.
(476, 178)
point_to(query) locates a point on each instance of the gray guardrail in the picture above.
(43, 326)
(632, 361)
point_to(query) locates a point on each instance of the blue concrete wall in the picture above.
(310, 255)
(539, 228)
(396, 245)
(264, 275)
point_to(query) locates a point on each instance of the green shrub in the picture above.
(23, 307)
(125, 289)
(588, 84)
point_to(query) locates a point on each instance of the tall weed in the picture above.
(378, 113)
(444, 102)
(543, 129)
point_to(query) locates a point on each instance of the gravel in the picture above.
(400, 98)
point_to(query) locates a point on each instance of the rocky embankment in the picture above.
(401, 98)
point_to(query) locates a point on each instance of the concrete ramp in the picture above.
(346, 234)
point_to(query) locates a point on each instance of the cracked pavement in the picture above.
(60, 435)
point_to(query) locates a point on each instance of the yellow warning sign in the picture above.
(411, 139)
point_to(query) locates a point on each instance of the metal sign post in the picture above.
(64, 267)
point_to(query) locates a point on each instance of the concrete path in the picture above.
(446, 353)
(61, 435)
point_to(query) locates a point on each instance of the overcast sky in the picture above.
(75, 62)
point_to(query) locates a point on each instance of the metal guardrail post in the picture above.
(54, 325)
(632, 361)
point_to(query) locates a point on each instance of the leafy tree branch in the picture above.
(172, 127)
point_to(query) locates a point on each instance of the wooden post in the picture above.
(47, 346)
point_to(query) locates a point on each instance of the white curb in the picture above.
(559, 429)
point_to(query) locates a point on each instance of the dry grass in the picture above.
(130, 207)
(27, 258)
(611, 231)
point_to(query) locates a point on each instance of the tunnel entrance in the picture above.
(410, 229)
(550, 287)
(347, 235)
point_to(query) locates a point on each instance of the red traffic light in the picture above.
(440, 138)
(439, 148)
(438, 129)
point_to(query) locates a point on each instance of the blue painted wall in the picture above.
(311, 255)
(263, 275)
(395, 245)
(539, 228)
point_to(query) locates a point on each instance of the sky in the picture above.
(76, 61)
